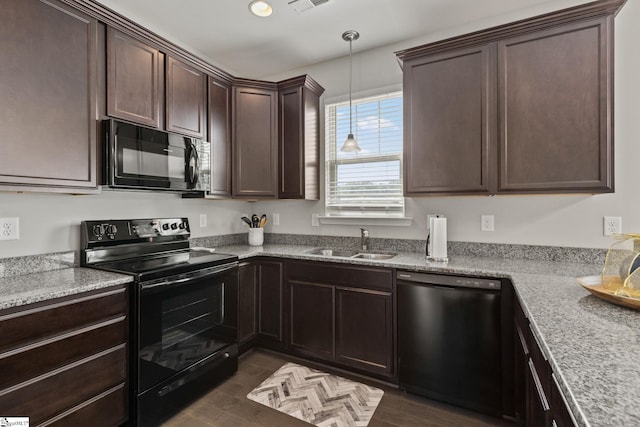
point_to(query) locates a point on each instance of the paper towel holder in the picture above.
(435, 238)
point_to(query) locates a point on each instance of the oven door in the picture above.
(185, 322)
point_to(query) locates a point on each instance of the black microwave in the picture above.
(142, 158)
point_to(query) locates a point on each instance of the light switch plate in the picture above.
(276, 219)
(315, 221)
(203, 220)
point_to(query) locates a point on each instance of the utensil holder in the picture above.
(256, 236)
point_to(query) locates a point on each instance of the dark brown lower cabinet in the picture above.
(311, 317)
(247, 304)
(64, 361)
(364, 329)
(539, 401)
(342, 315)
(270, 304)
(538, 411)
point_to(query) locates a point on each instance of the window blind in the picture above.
(369, 181)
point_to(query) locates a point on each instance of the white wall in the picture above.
(557, 220)
(50, 222)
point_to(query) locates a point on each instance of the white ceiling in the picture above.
(228, 35)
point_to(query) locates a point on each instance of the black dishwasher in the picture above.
(449, 339)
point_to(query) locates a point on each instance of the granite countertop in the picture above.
(35, 287)
(592, 346)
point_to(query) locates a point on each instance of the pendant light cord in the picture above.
(350, 80)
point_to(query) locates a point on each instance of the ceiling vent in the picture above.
(304, 5)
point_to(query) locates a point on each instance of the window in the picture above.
(368, 182)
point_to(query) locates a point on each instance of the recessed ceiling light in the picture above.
(260, 8)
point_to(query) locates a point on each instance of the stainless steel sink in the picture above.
(345, 253)
(370, 255)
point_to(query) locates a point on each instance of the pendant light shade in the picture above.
(350, 144)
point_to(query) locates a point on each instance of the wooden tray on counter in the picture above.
(594, 285)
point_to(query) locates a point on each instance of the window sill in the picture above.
(366, 220)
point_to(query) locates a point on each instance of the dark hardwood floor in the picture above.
(228, 406)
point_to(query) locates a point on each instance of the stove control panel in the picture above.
(133, 229)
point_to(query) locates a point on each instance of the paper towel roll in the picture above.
(439, 236)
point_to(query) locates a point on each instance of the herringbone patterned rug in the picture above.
(318, 398)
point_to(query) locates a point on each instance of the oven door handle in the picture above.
(185, 280)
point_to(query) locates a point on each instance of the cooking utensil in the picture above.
(247, 220)
(255, 221)
(263, 220)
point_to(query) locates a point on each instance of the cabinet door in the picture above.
(364, 329)
(48, 88)
(220, 137)
(311, 317)
(186, 100)
(449, 120)
(255, 143)
(299, 141)
(134, 78)
(556, 110)
(291, 118)
(247, 307)
(270, 302)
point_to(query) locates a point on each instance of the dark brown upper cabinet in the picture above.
(525, 107)
(220, 137)
(186, 102)
(449, 121)
(135, 80)
(255, 140)
(556, 109)
(299, 138)
(48, 87)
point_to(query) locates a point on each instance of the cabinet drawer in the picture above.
(35, 323)
(352, 276)
(65, 388)
(539, 360)
(520, 318)
(560, 412)
(108, 409)
(37, 359)
(538, 410)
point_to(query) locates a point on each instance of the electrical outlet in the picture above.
(315, 220)
(486, 223)
(9, 229)
(276, 219)
(612, 225)
(203, 220)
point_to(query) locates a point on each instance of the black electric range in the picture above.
(183, 310)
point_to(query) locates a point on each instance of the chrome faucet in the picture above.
(364, 239)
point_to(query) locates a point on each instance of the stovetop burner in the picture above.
(145, 248)
(168, 264)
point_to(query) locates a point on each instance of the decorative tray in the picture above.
(594, 285)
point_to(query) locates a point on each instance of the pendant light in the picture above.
(350, 144)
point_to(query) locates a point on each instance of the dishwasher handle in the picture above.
(447, 280)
